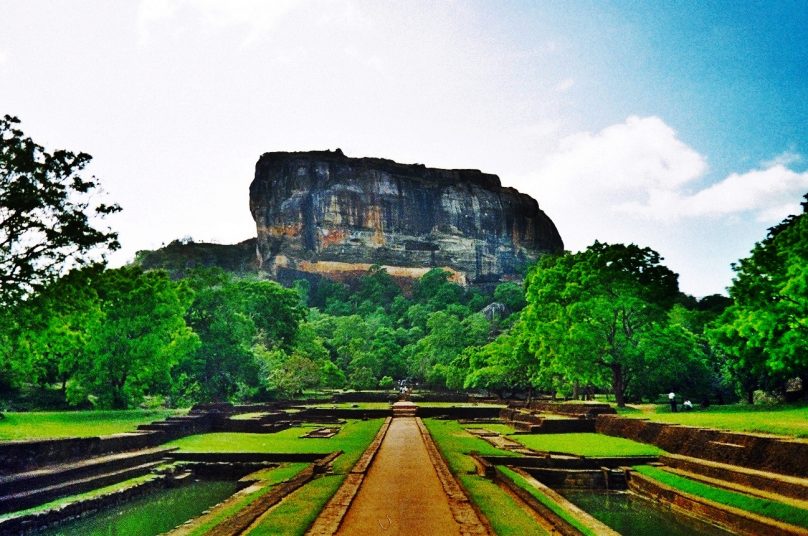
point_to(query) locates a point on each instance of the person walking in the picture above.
(672, 399)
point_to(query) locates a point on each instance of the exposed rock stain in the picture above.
(322, 212)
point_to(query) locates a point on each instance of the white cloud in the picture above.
(636, 181)
(639, 168)
(767, 194)
(564, 85)
(785, 158)
(3, 56)
(256, 16)
(642, 152)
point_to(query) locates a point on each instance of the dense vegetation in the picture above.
(609, 319)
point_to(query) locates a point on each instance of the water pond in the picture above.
(157, 512)
(630, 514)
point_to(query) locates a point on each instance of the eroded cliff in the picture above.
(321, 212)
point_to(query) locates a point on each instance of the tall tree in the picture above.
(765, 331)
(141, 336)
(588, 312)
(48, 213)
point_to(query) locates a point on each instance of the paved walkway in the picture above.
(401, 493)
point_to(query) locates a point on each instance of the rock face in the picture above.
(323, 213)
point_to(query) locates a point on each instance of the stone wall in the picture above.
(747, 450)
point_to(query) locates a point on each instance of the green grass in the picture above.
(546, 501)
(269, 478)
(789, 420)
(596, 445)
(505, 515)
(457, 404)
(353, 439)
(502, 511)
(764, 507)
(455, 444)
(299, 509)
(54, 424)
(502, 429)
(82, 496)
(350, 405)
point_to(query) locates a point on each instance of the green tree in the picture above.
(56, 326)
(765, 331)
(235, 319)
(48, 214)
(589, 311)
(140, 338)
(511, 295)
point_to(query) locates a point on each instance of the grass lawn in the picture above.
(789, 420)
(353, 405)
(457, 404)
(504, 514)
(765, 507)
(586, 444)
(502, 510)
(546, 501)
(53, 424)
(269, 478)
(297, 512)
(502, 429)
(353, 439)
(61, 501)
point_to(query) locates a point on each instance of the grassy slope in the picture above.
(504, 429)
(757, 505)
(586, 444)
(269, 478)
(81, 496)
(546, 501)
(502, 512)
(297, 511)
(789, 420)
(42, 425)
(353, 438)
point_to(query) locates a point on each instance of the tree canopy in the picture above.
(48, 213)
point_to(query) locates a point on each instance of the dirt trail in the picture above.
(401, 493)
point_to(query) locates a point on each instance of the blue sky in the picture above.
(676, 125)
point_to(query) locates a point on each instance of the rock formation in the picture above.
(323, 213)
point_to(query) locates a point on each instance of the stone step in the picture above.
(54, 474)
(784, 485)
(29, 498)
(731, 486)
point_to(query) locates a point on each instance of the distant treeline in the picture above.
(607, 319)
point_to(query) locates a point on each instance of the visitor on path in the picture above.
(688, 405)
(672, 399)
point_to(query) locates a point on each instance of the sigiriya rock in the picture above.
(321, 213)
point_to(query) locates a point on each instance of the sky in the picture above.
(680, 126)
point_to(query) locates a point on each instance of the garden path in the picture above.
(401, 493)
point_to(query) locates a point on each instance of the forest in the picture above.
(608, 319)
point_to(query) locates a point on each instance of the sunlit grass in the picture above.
(788, 420)
(297, 512)
(500, 428)
(585, 444)
(546, 501)
(765, 507)
(353, 439)
(55, 424)
(269, 478)
(502, 511)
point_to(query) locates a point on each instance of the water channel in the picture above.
(157, 512)
(630, 514)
